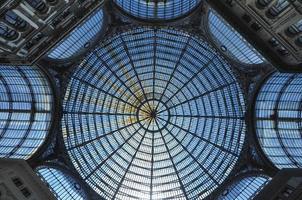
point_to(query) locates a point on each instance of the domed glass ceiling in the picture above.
(153, 114)
(157, 9)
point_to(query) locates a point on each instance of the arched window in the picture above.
(295, 28)
(52, 2)
(278, 7)
(264, 3)
(299, 41)
(230, 40)
(245, 188)
(157, 10)
(278, 119)
(38, 5)
(25, 111)
(14, 20)
(79, 38)
(62, 184)
(7, 33)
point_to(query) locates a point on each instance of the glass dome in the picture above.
(278, 120)
(246, 188)
(26, 102)
(153, 114)
(157, 9)
(231, 41)
(62, 184)
(79, 38)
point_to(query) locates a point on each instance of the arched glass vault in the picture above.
(278, 119)
(61, 183)
(245, 187)
(80, 38)
(26, 101)
(157, 10)
(231, 41)
(153, 114)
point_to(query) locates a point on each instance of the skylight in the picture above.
(25, 116)
(154, 114)
(157, 10)
(79, 38)
(63, 185)
(231, 41)
(245, 188)
(278, 119)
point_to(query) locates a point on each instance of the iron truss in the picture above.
(151, 112)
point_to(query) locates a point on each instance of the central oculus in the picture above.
(153, 115)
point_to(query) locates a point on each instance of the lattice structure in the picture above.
(62, 184)
(278, 119)
(245, 187)
(157, 10)
(150, 112)
(79, 38)
(154, 114)
(30, 28)
(26, 102)
(268, 26)
(231, 41)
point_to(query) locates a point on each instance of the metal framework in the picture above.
(231, 41)
(30, 28)
(157, 10)
(62, 184)
(154, 113)
(26, 102)
(80, 38)
(277, 118)
(265, 23)
(245, 187)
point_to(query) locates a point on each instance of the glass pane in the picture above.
(154, 114)
(79, 38)
(24, 124)
(231, 41)
(246, 188)
(63, 186)
(279, 119)
(157, 10)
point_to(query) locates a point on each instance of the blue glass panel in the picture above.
(25, 111)
(63, 186)
(157, 10)
(153, 114)
(79, 37)
(246, 188)
(279, 119)
(232, 41)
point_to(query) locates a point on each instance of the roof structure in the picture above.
(150, 99)
(154, 114)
